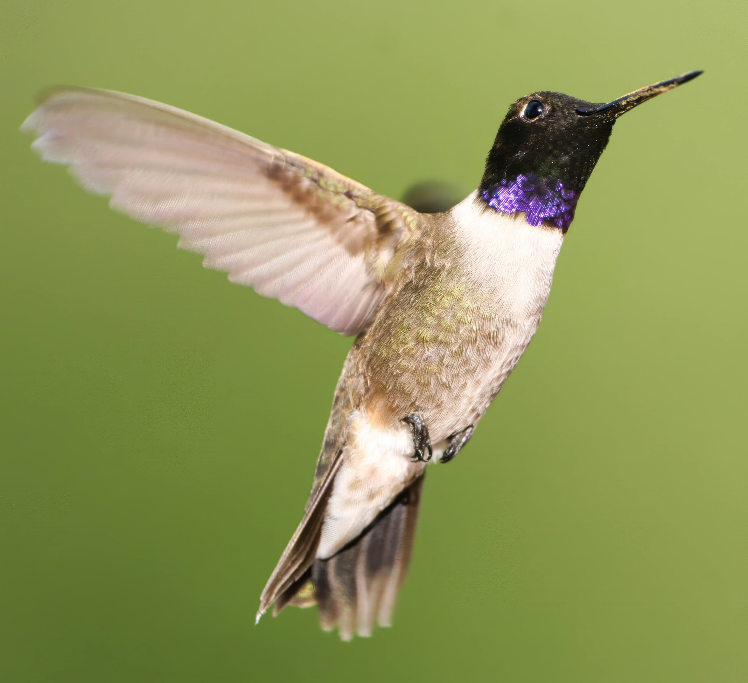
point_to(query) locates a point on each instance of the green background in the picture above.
(159, 426)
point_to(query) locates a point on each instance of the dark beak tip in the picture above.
(690, 76)
(638, 96)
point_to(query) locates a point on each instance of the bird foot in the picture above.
(457, 443)
(421, 440)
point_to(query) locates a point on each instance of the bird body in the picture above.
(442, 305)
(474, 303)
(442, 345)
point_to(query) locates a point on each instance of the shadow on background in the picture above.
(433, 196)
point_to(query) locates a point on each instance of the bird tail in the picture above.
(357, 586)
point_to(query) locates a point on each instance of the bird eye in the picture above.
(533, 109)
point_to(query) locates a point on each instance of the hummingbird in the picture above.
(442, 305)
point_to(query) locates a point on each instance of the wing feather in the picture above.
(287, 226)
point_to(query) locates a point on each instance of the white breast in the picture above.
(508, 257)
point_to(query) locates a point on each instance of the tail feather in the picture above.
(358, 586)
(299, 553)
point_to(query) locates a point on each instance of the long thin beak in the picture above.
(634, 99)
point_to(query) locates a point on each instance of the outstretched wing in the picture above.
(285, 225)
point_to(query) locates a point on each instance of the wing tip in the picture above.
(43, 96)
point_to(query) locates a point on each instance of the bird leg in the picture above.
(421, 440)
(457, 443)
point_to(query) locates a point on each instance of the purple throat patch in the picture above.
(542, 200)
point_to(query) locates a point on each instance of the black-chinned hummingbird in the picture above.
(443, 305)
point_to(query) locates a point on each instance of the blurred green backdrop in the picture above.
(160, 426)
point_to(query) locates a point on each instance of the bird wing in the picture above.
(287, 226)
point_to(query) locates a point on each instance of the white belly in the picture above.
(376, 467)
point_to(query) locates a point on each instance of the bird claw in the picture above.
(457, 443)
(421, 440)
